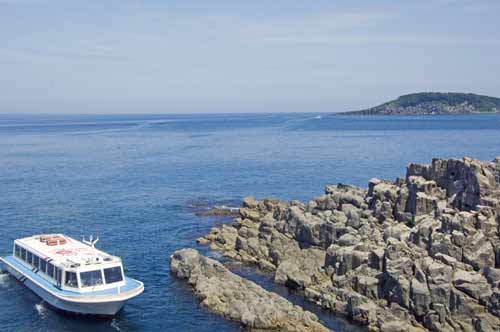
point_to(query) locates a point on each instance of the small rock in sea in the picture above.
(219, 211)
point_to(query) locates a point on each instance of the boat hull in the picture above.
(102, 307)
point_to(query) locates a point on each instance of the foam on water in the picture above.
(115, 325)
(41, 309)
(225, 207)
(4, 279)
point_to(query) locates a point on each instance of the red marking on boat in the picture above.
(66, 252)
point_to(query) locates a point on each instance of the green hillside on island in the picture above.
(429, 103)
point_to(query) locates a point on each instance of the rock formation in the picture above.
(421, 253)
(238, 299)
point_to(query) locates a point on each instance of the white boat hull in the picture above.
(88, 306)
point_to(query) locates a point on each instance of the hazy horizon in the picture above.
(176, 57)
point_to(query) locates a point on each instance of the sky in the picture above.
(106, 56)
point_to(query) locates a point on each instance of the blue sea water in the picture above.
(131, 179)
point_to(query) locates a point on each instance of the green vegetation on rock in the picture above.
(426, 103)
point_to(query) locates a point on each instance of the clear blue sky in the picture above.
(84, 56)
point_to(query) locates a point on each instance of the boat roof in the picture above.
(66, 250)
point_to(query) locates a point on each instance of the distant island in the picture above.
(430, 103)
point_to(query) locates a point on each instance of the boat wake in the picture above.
(41, 309)
(4, 279)
(114, 325)
(119, 126)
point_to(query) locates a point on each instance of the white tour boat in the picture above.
(71, 275)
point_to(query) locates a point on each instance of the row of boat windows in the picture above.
(87, 279)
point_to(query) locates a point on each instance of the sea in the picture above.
(137, 181)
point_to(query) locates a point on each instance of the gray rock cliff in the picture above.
(416, 254)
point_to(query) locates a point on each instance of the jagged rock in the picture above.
(238, 299)
(360, 310)
(420, 253)
(478, 251)
(366, 286)
(492, 275)
(250, 202)
(464, 179)
(398, 231)
(371, 185)
(422, 197)
(251, 214)
(376, 259)
(472, 284)
(422, 233)
(345, 259)
(299, 271)
(289, 274)
(309, 229)
(443, 244)
(420, 298)
(338, 217)
(494, 304)
(439, 278)
(348, 239)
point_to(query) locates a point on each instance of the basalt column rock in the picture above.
(238, 299)
(421, 253)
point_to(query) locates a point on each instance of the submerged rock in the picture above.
(421, 253)
(219, 211)
(238, 299)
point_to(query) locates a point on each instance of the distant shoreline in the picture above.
(355, 113)
(434, 103)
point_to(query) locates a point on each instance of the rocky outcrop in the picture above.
(421, 253)
(238, 299)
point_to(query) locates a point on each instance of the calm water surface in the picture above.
(131, 179)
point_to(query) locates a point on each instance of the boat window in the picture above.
(43, 265)
(71, 280)
(17, 251)
(58, 276)
(91, 278)
(29, 258)
(36, 261)
(23, 254)
(50, 270)
(113, 274)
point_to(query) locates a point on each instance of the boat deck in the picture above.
(70, 250)
(130, 284)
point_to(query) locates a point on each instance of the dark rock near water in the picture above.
(208, 208)
(421, 253)
(219, 211)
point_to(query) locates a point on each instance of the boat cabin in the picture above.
(69, 264)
